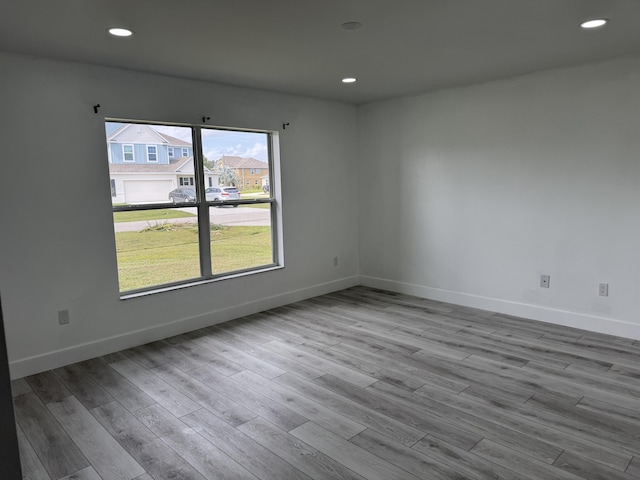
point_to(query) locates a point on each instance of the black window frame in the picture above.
(203, 206)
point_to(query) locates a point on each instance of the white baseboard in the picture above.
(610, 326)
(77, 353)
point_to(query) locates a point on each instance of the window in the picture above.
(127, 153)
(152, 153)
(258, 171)
(170, 152)
(253, 171)
(190, 231)
(257, 182)
(113, 188)
(185, 152)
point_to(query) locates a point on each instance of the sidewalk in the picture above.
(227, 216)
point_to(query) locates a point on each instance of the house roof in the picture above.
(141, 133)
(241, 162)
(181, 164)
(173, 141)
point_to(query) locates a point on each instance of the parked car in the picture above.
(222, 193)
(182, 195)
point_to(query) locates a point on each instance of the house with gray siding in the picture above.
(145, 164)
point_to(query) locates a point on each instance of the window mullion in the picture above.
(204, 230)
(275, 238)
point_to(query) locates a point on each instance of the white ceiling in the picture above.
(298, 46)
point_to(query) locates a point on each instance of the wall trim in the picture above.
(610, 326)
(77, 353)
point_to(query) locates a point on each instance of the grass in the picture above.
(236, 248)
(257, 194)
(144, 215)
(257, 205)
(156, 256)
(244, 191)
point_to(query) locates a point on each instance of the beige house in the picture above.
(251, 172)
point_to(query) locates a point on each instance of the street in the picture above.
(227, 216)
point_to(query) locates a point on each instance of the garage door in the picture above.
(145, 191)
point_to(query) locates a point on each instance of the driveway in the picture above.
(227, 216)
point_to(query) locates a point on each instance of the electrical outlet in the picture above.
(335, 261)
(544, 281)
(603, 290)
(63, 317)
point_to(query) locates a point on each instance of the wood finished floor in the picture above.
(359, 384)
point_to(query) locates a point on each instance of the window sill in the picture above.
(187, 284)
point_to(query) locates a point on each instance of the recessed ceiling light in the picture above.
(352, 25)
(349, 80)
(595, 23)
(120, 32)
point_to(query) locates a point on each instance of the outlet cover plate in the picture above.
(603, 290)
(63, 317)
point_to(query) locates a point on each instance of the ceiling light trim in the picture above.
(122, 32)
(594, 23)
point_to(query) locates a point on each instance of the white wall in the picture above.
(465, 195)
(468, 195)
(57, 242)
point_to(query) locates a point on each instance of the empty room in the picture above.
(320, 239)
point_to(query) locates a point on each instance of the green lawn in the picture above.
(245, 191)
(257, 194)
(257, 205)
(143, 215)
(169, 253)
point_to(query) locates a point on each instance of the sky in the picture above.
(216, 143)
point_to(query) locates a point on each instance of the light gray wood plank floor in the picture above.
(361, 384)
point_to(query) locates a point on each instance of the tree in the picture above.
(208, 163)
(228, 176)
